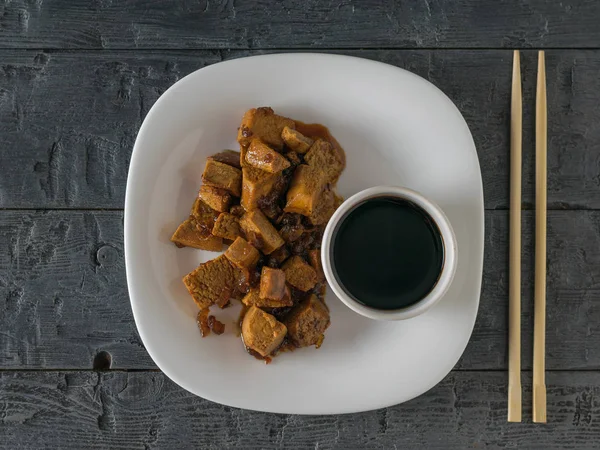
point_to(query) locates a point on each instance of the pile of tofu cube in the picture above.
(270, 203)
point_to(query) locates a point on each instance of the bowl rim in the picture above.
(448, 238)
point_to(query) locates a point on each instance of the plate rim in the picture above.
(134, 162)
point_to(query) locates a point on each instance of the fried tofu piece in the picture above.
(263, 157)
(324, 156)
(227, 226)
(307, 322)
(252, 298)
(204, 215)
(223, 176)
(295, 140)
(325, 207)
(272, 283)
(229, 157)
(260, 232)
(217, 199)
(212, 282)
(299, 274)
(191, 234)
(307, 185)
(314, 259)
(263, 123)
(242, 254)
(195, 231)
(261, 331)
(256, 185)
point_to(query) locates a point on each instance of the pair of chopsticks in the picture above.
(514, 324)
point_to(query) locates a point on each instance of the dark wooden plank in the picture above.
(292, 24)
(573, 293)
(146, 410)
(68, 121)
(63, 293)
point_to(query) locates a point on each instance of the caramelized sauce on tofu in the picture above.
(318, 131)
(269, 203)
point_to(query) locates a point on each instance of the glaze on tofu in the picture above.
(242, 254)
(217, 199)
(261, 331)
(263, 157)
(307, 322)
(223, 176)
(260, 232)
(227, 227)
(263, 123)
(299, 273)
(306, 187)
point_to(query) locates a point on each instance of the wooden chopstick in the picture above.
(514, 289)
(539, 330)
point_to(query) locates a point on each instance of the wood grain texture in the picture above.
(205, 24)
(146, 410)
(69, 120)
(63, 292)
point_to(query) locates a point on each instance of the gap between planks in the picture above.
(41, 370)
(282, 49)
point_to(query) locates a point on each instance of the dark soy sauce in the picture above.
(387, 253)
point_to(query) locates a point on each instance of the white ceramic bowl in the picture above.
(448, 240)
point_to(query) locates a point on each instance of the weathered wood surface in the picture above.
(63, 293)
(76, 80)
(76, 410)
(298, 23)
(68, 121)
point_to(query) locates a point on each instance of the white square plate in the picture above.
(396, 129)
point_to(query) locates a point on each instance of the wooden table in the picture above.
(77, 78)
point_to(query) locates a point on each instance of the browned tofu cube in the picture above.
(256, 184)
(217, 199)
(324, 156)
(212, 282)
(260, 232)
(263, 123)
(263, 157)
(272, 283)
(229, 157)
(325, 207)
(295, 140)
(227, 226)
(204, 215)
(195, 231)
(299, 274)
(261, 331)
(252, 298)
(314, 258)
(223, 176)
(191, 234)
(306, 187)
(307, 322)
(242, 254)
